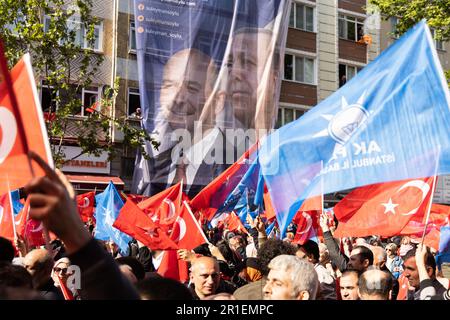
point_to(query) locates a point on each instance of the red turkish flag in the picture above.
(134, 222)
(270, 211)
(22, 126)
(85, 204)
(307, 225)
(163, 208)
(439, 216)
(382, 209)
(186, 232)
(34, 233)
(6, 220)
(172, 267)
(233, 223)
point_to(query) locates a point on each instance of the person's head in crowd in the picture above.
(229, 255)
(391, 250)
(291, 278)
(375, 242)
(39, 264)
(410, 268)
(127, 272)
(270, 249)
(131, 268)
(375, 284)
(226, 272)
(348, 285)
(405, 240)
(379, 257)
(310, 251)
(145, 257)
(405, 247)
(237, 244)
(227, 235)
(61, 271)
(159, 288)
(203, 249)
(324, 254)
(360, 259)
(289, 237)
(250, 67)
(6, 250)
(205, 276)
(397, 240)
(19, 293)
(240, 274)
(187, 81)
(112, 248)
(14, 276)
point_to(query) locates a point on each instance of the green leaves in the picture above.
(410, 12)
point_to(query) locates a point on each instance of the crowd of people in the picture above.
(241, 266)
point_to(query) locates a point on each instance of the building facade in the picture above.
(328, 43)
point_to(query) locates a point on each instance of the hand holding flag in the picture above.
(51, 203)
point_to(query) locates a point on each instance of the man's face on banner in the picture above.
(182, 93)
(249, 54)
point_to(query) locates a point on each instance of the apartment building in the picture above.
(324, 49)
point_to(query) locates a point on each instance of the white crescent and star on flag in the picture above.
(390, 207)
(8, 127)
(308, 224)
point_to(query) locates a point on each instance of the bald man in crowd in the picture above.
(39, 264)
(205, 277)
(375, 284)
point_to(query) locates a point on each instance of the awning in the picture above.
(90, 183)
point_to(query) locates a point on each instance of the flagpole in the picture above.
(431, 196)
(11, 209)
(321, 187)
(195, 221)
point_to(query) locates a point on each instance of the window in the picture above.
(88, 98)
(438, 43)
(299, 69)
(132, 40)
(346, 73)
(351, 28)
(302, 17)
(48, 98)
(133, 101)
(80, 33)
(394, 22)
(286, 115)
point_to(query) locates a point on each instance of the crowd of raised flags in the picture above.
(384, 134)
